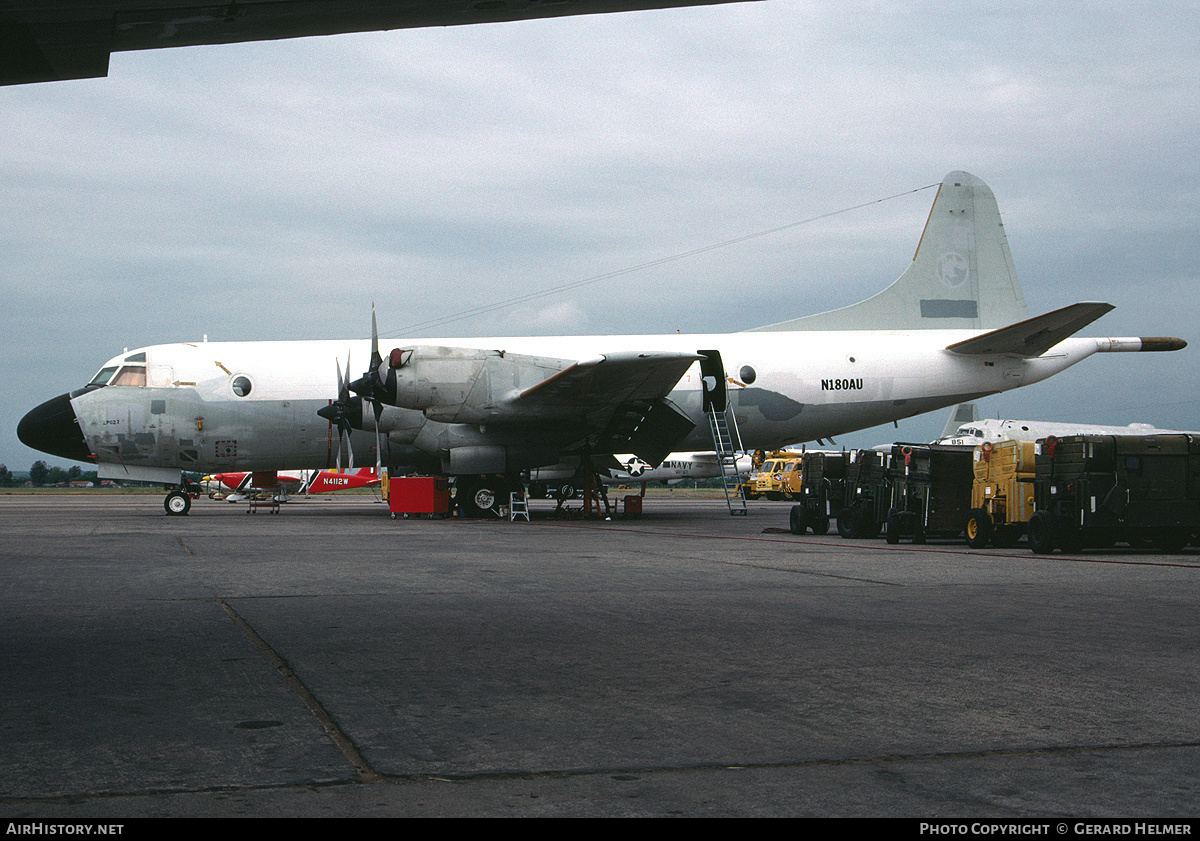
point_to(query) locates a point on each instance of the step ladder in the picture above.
(727, 444)
(518, 506)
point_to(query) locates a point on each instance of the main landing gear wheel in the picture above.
(484, 499)
(177, 503)
(481, 496)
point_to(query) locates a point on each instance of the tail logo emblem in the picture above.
(952, 270)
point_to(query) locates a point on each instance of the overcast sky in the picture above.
(275, 190)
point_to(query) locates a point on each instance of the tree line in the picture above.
(42, 475)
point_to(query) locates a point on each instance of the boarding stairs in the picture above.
(727, 444)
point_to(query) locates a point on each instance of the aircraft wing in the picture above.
(1033, 337)
(608, 380)
(614, 402)
(51, 40)
(619, 401)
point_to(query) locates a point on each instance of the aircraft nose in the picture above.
(52, 428)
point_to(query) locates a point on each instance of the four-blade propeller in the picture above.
(345, 413)
(372, 387)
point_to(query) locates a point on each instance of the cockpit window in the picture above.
(103, 376)
(131, 375)
(127, 375)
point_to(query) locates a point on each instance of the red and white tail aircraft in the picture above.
(326, 481)
(314, 482)
(952, 329)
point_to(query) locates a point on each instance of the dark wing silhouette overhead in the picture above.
(51, 40)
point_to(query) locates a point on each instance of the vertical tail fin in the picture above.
(960, 414)
(962, 275)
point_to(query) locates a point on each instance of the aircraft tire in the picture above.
(820, 526)
(479, 497)
(177, 503)
(798, 519)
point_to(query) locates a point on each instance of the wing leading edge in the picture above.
(608, 380)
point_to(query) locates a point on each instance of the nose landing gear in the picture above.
(179, 500)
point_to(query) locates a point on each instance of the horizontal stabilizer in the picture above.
(1033, 337)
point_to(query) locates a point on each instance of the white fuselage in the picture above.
(219, 406)
(992, 430)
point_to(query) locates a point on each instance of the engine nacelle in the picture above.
(471, 460)
(462, 385)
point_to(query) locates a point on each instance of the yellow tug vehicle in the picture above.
(1002, 497)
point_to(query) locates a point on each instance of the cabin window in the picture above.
(241, 386)
(747, 374)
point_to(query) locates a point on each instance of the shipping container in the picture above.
(822, 491)
(867, 494)
(1094, 491)
(931, 491)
